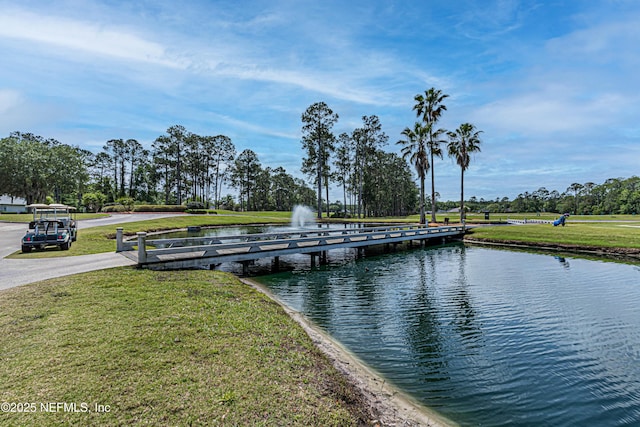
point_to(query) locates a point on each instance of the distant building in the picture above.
(12, 204)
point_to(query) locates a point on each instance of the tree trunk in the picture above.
(344, 195)
(433, 193)
(326, 187)
(319, 179)
(423, 219)
(462, 197)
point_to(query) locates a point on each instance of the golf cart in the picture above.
(52, 225)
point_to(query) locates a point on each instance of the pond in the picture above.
(484, 336)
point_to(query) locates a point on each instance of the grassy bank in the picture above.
(162, 348)
(621, 238)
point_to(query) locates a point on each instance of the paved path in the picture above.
(16, 272)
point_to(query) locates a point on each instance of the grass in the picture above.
(624, 236)
(163, 348)
(25, 218)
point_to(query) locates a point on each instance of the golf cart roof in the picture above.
(52, 206)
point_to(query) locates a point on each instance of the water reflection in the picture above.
(562, 261)
(422, 324)
(488, 337)
(466, 322)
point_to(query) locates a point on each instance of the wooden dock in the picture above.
(171, 254)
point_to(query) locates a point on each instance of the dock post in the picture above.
(119, 245)
(313, 259)
(245, 268)
(323, 258)
(142, 247)
(276, 264)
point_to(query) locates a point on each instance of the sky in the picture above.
(553, 85)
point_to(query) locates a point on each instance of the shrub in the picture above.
(93, 201)
(195, 205)
(340, 215)
(159, 208)
(127, 202)
(114, 208)
(197, 211)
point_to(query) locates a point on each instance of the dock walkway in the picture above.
(168, 254)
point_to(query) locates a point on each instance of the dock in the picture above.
(198, 252)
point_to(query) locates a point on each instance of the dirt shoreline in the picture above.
(393, 408)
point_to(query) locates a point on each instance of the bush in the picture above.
(127, 202)
(159, 208)
(340, 215)
(195, 205)
(197, 211)
(93, 201)
(114, 208)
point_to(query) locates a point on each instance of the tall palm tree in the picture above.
(464, 141)
(415, 148)
(430, 108)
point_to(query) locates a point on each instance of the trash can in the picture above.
(446, 221)
(486, 215)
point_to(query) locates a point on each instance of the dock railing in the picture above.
(193, 251)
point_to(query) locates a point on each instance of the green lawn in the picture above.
(163, 348)
(588, 234)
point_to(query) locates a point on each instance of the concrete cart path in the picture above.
(16, 272)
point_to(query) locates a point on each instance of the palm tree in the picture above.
(415, 148)
(430, 107)
(464, 141)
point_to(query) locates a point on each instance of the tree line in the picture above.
(180, 167)
(360, 165)
(39, 169)
(614, 196)
(373, 182)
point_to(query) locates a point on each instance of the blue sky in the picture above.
(553, 85)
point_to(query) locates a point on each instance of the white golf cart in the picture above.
(52, 225)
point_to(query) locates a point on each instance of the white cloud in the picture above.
(18, 113)
(9, 99)
(253, 128)
(225, 55)
(583, 82)
(550, 112)
(89, 37)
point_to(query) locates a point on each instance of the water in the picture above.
(484, 336)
